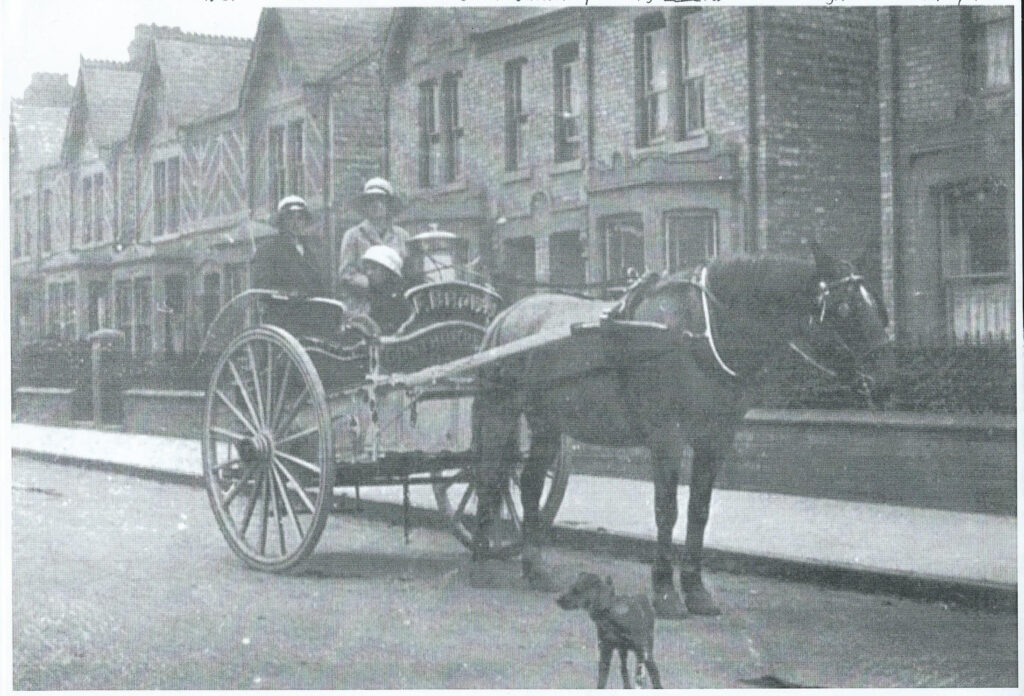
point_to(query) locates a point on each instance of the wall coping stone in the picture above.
(45, 390)
(884, 419)
(848, 417)
(166, 393)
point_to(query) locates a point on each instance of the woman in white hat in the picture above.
(384, 302)
(379, 204)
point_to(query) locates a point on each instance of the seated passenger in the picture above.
(384, 300)
(291, 263)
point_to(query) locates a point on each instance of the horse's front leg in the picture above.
(494, 422)
(706, 461)
(544, 447)
(666, 461)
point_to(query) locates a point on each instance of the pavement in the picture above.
(894, 545)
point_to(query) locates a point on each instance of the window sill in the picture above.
(568, 167)
(699, 141)
(521, 174)
(454, 187)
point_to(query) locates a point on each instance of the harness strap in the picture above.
(699, 280)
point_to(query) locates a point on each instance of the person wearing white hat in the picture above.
(379, 204)
(384, 301)
(290, 262)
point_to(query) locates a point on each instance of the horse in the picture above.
(724, 320)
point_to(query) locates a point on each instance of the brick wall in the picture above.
(930, 76)
(358, 147)
(821, 128)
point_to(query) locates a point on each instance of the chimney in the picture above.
(48, 89)
(140, 44)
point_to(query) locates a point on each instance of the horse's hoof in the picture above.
(700, 603)
(667, 605)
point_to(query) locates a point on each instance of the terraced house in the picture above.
(36, 133)
(569, 145)
(584, 142)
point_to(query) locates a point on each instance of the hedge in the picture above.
(973, 379)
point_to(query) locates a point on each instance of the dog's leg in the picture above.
(624, 667)
(603, 662)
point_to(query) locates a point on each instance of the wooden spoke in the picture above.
(266, 516)
(275, 506)
(283, 492)
(282, 391)
(231, 435)
(298, 487)
(270, 382)
(310, 466)
(295, 436)
(256, 383)
(236, 486)
(292, 411)
(234, 409)
(245, 392)
(251, 505)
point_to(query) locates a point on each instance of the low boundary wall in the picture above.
(960, 463)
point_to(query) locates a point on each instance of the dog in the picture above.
(623, 623)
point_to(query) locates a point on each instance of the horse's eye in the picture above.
(843, 310)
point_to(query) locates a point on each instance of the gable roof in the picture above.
(319, 40)
(106, 90)
(37, 134)
(201, 75)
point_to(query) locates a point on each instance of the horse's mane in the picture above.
(750, 276)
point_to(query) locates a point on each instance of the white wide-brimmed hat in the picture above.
(378, 186)
(385, 256)
(290, 204)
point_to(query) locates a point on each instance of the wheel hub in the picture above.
(263, 443)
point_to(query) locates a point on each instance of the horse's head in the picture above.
(848, 321)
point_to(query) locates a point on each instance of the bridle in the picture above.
(699, 280)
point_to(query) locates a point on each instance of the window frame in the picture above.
(980, 21)
(515, 116)
(611, 223)
(277, 164)
(451, 127)
(46, 233)
(711, 242)
(565, 60)
(167, 196)
(683, 98)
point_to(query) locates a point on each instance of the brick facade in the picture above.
(949, 143)
(787, 147)
(858, 127)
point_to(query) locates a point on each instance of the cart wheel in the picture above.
(267, 457)
(458, 501)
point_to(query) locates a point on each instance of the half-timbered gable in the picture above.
(186, 78)
(183, 168)
(287, 100)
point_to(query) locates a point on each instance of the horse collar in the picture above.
(700, 281)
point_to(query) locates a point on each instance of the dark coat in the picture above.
(278, 265)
